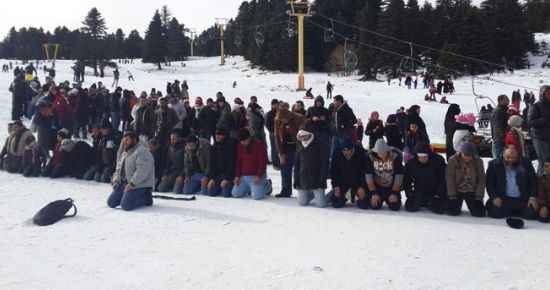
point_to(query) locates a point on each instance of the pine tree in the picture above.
(95, 28)
(155, 44)
(119, 48)
(134, 45)
(176, 40)
(368, 19)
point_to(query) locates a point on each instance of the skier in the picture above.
(130, 76)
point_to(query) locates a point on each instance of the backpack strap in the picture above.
(73, 206)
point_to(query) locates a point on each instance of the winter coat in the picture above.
(251, 159)
(384, 173)
(499, 123)
(402, 121)
(393, 136)
(202, 153)
(256, 125)
(175, 164)
(414, 118)
(160, 159)
(237, 119)
(64, 112)
(544, 191)
(450, 121)
(166, 120)
(270, 121)
(344, 120)
(43, 113)
(349, 173)
(139, 167)
(16, 143)
(225, 115)
(34, 157)
(108, 147)
(373, 136)
(426, 178)
(82, 108)
(113, 101)
(180, 113)
(209, 117)
(319, 127)
(311, 166)
(526, 178)
(19, 89)
(145, 122)
(126, 108)
(455, 173)
(223, 159)
(286, 124)
(413, 138)
(463, 134)
(539, 119)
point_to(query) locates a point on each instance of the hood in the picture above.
(454, 109)
(542, 90)
(319, 99)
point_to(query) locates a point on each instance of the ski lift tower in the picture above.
(221, 23)
(300, 9)
(192, 32)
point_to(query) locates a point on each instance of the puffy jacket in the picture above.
(139, 167)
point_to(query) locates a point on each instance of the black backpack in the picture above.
(53, 212)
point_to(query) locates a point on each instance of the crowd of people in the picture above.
(155, 142)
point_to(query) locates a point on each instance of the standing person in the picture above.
(184, 90)
(539, 120)
(174, 168)
(393, 133)
(499, 121)
(166, 120)
(270, 125)
(134, 176)
(29, 70)
(19, 94)
(512, 186)
(82, 112)
(516, 99)
(225, 113)
(414, 136)
(181, 113)
(544, 193)
(44, 121)
(424, 181)
(450, 128)
(126, 105)
(222, 165)
(384, 173)
(330, 87)
(465, 177)
(311, 168)
(375, 129)
(343, 123)
(250, 172)
(114, 107)
(116, 76)
(145, 120)
(130, 76)
(347, 173)
(196, 165)
(256, 123)
(413, 116)
(208, 117)
(286, 129)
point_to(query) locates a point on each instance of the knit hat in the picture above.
(238, 101)
(422, 149)
(392, 119)
(198, 101)
(512, 110)
(373, 114)
(469, 149)
(209, 100)
(381, 146)
(67, 145)
(64, 133)
(347, 143)
(468, 119)
(243, 134)
(274, 101)
(515, 121)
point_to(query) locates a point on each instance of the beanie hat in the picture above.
(274, 101)
(392, 119)
(243, 134)
(373, 114)
(468, 119)
(67, 145)
(422, 149)
(469, 149)
(347, 143)
(63, 133)
(209, 100)
(515, 121)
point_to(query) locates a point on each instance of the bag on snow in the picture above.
(54, 212)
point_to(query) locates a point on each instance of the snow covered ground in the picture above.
(216, 243)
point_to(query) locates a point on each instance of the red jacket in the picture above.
(62, 108)
(512, 139)
(253, 162)
(57, 154)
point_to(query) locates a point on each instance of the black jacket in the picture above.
(145, 123)
(223, 158)
(174, 160)
(114, 102)
(208, 118)
(414, 118)
(393, 136)
(108, 147)
(412, 139)
(82, 108)
(499, 123)
(369, 131)
(81, 157)
(344, 120)
(319, 127)
(270, 121)
(125, 110)
(310, 166)
(426, 178)
(539, 120)
(349, 173)
(526, 179)
(159, 156)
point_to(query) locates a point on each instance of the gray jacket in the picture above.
(225, 114)
(203, 156)
(139, 167)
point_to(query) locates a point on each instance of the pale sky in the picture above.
(125, 14)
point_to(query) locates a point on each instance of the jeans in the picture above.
(498, 147)
(306, 196)
(543, 153)
(217, 190)
(194, 185)
(286, 172)
(257, 191)
(170, 185)
(115, 120)
(274, 156)
(130, 200)
(103, 176)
